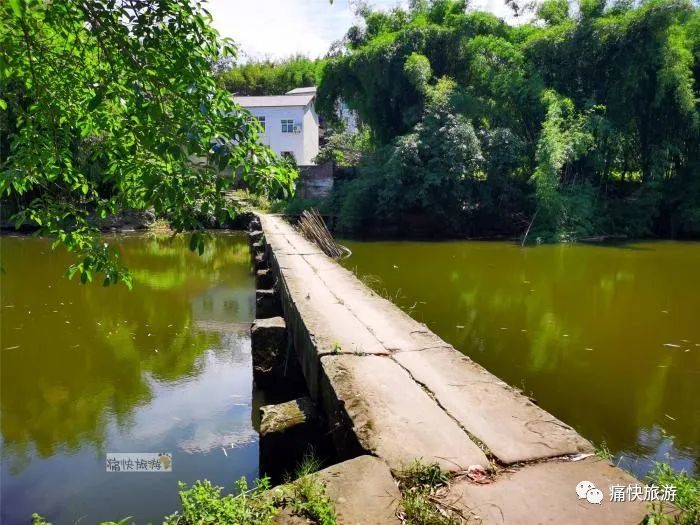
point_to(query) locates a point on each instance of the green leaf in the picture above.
(97, 136)
(95, 101)
(16, 6)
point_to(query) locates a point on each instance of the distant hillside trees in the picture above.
(272, 78)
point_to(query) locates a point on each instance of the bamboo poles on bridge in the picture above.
(312, 226)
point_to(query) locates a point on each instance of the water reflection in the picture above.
(86, 370)
(605, 338)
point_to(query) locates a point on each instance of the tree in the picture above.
(105, 104)
(589, 115)
(553, 11)
(272, 78)
(426, 174)
(564, 138)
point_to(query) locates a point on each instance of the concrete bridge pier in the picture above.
(293, 426)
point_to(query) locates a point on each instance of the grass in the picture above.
(309, 499)
(602, 451)
(685, 509)
(306, 496)
(373, 282)
(421, 487)
(204, 503)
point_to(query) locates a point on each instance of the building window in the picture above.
(287, 126)
(261, 119)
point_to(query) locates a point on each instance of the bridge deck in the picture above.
(401, 393)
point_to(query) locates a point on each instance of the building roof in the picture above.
(299, 90)
(275, 100)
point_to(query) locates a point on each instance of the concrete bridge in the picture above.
(392, 392)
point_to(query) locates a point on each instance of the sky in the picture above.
(280, 28)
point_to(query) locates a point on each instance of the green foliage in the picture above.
(203, 503)
(686, 506)
(591, 8)
(420, 503)
(588, 123)
(564, 138)
(309, 464)
(418, 474)
(357, 199)
(308, 498)
(105, 107)
(441, 156)
(553, 11)
(295, 206)
(272, 78)
(603, 452)
(343, 148)
(418, 72)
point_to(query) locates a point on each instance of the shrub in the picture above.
(686, 503)
(203, 503)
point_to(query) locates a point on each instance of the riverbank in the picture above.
(423, 227)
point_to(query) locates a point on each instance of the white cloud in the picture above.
(497, 7)
(281, 28)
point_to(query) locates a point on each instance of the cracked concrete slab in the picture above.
(395, 329)
(545, 493)
(318, 323)
(392, 416)
(512, 427)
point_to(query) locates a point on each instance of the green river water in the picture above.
(88, 370)
(605, 338)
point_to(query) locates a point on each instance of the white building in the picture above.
(290, 122)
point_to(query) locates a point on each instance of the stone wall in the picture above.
(315, 182)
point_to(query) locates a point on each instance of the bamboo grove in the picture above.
(582, 123)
